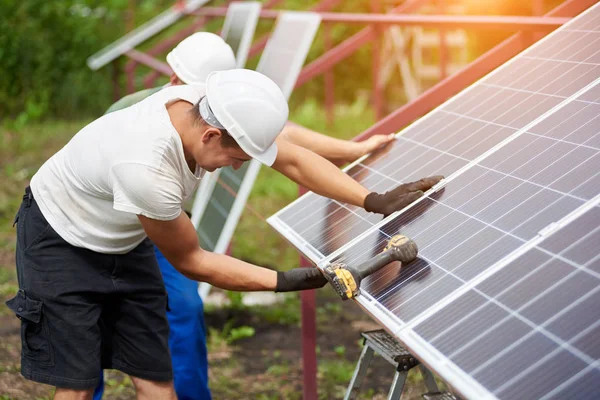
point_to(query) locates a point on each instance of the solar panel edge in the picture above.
(465, 168)
(428, 355)
(308, 251)
(203, 195)
(462, 382)
(237, 207)
(452, 99)
(313, 20)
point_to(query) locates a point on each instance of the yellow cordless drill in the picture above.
(346, 279)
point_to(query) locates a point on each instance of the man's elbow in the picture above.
(193, 265)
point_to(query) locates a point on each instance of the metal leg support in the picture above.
(429, 380)
(360, 371)
(397, 385)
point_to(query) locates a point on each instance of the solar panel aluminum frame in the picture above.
(460, 171)
(317, 258)
(462, 382)
(141, 33)
(206, 191)
(251, 9)
(429, 355)
(300, 52)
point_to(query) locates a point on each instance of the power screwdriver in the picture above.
(346, 279)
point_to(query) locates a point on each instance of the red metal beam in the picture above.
(512, 23)
(262, 42)
(149, 61)
(348, 46)
(492, 59)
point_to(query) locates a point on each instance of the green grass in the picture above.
(22, 152)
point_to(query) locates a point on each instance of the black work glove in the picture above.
(399, 197)
(300, 279)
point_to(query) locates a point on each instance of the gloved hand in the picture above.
(399, 197)
(300, 279)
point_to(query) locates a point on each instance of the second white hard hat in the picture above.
(251, 107)
(196, 56)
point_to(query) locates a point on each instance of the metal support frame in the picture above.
(471, 73)
(394, 353)
(349, 46)
(512, 23)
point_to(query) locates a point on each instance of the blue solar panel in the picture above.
(517, 213)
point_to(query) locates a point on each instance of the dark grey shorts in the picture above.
(83, 311)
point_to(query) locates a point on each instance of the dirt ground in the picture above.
(264, 365)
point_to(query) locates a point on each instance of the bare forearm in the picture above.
(322, 177)
(325, 146)
(227, 272)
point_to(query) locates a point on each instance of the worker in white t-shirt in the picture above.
(191, 61)
(90, 291)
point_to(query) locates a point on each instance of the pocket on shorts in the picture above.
(34, 330)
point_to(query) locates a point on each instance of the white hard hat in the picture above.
(198, 55)
(250, 106)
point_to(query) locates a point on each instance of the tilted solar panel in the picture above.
(531, 330)
(238, 28)
(507, 273)
(450, 137)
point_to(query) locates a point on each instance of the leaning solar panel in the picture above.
(238, 28)
(530, 329)
(490, 209)
(454, 135)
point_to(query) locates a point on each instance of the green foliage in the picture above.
(43, 47)
(340, 350)
(229, 334)
(334, 375)
(284, 313)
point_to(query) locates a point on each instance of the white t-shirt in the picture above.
(125, 163)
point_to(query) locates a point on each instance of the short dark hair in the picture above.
(226, 139)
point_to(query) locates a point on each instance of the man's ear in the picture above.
(211, 134)
(174, 80)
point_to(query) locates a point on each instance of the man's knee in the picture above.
(146, 389)
(71, 394)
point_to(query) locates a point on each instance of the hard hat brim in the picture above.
(177, 69)
(267, 157)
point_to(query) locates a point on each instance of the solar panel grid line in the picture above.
(539, 329)
(423, 119)
(543, 231)
(491, 169)
(450, 299)
(520, 251)
(575, 94)
(408, 330)
(466, 167)
(571, 218)
(536, 328)
(450, 250)
(557, 60)
(571, 380)
(486, 225)
(463, 383)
